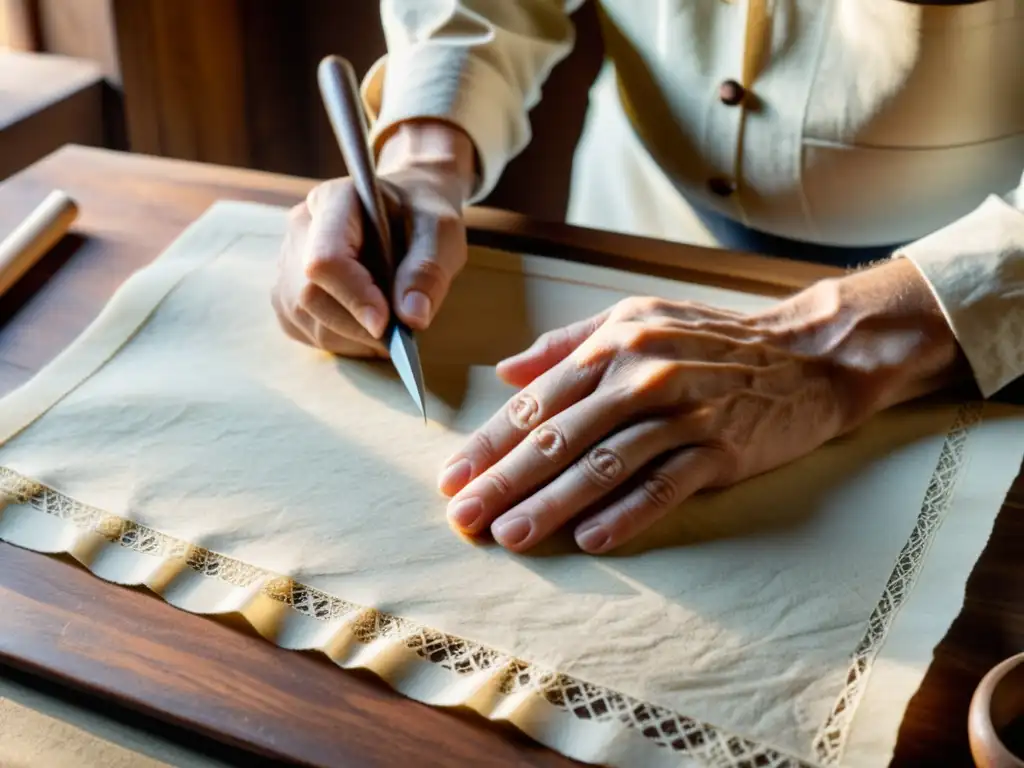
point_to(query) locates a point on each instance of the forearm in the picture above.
(433, 145)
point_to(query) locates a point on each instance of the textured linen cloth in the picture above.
(868, 122)
(787, 620)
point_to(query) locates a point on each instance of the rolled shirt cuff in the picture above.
(446, 82)
(975, 267)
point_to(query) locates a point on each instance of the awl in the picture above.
(340, 94)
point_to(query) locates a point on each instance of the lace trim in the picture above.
(584, 701)
(831, 739)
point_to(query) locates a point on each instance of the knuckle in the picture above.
(698, 421)
(484, 447)
(632, 308)
(427, 275)
(655, 306)
(640, 308)
(624, 310)
(659, 490)
(549, 442)
(299, 213)
(499, 483)
(523, 411)
(640, 338)
(600, 349)
(654, 381)
(321, 262)
(628, 521)
(603, 466)
(545, 506)
(328, 189)
(322, 336)
(318, 265)
(315, 195)
(308, 296)
(552, 341)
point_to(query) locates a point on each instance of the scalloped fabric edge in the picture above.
(576, 718)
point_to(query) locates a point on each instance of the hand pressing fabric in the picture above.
(624, 416)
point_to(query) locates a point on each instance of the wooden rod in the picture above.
(34, 236)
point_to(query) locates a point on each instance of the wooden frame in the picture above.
(125, 645)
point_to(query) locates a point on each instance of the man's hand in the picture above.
(624, 416)
(326, 297)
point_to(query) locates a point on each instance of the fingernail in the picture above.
(455, 476)
(512, 533)
(416, 307)
(465, 513)
(372, 320)
(593, 539)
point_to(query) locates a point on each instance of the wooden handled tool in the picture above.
(340, 94)
(34, 236)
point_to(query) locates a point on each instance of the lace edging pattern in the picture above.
(831, 738)
(581, 700)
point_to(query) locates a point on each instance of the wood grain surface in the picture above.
(206, 676)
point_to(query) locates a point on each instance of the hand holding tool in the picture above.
(340, 95)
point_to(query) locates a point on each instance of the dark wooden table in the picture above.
(60, 624)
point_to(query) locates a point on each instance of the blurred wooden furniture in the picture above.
(64, 624)
(234, 82)
(46, 102)
(83, 29)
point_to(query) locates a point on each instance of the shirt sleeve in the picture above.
(975, 267)
(478, 64)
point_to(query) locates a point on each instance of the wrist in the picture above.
(882, 333)
(434, 146)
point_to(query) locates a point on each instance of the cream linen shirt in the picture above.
(865, 122)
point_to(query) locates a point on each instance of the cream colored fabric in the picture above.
(791, 617)
(872, 122)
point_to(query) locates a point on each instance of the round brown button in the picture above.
(721, 187)
(731, 93)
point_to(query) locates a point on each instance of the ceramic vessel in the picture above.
(998, 701)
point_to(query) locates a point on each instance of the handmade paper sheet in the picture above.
(185, 443)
